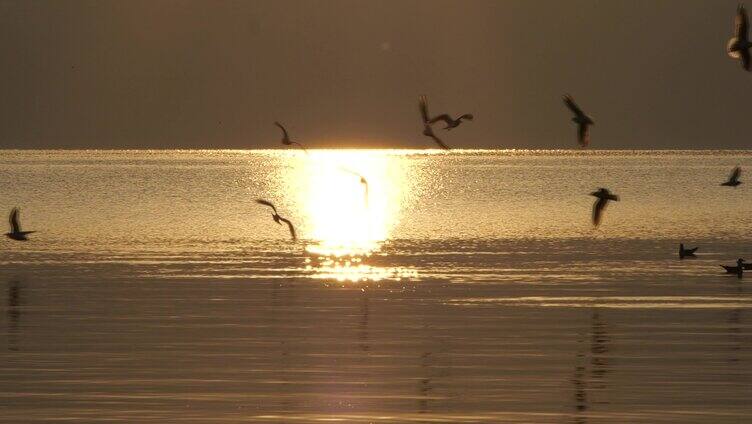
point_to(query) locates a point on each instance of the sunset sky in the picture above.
(174, 74)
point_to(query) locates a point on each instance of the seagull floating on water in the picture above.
(15, 227)
(581, 119)
(733, 179)
(738, 269)
(286, 138)
(277, 218)
(684, 253)
(427, 129)
(738, 46)
(604, 196)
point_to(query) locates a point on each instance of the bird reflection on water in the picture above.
(14, 313)
(598, 367)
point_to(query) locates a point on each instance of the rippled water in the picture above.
(459, 287)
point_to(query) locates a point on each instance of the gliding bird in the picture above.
(738, 46)
(277, 218)
(604, 196)
(15, 227)
(286, 138)
(581, 119)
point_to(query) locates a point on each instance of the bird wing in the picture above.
(443, 117)
(266, 203)
(290, 226)
(742, 24)
(468, 116)
(428, 132)
(736, 174)
(284, 131)
(423, 104)
(569, 102)
(583, 135)
(744, 56)
(15, 227)
(300, 145)
(598, 208)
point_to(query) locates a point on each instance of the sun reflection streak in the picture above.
(351, 201)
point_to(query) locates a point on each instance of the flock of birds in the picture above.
(738, 48)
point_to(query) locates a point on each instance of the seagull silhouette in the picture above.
(277, 218)
(581, 119)
(362, 180)
(738, 46)
(684, 253)
(448, 120)
(733, 179)
(427, 129)
(604, 196)
(15, 227)
(286, 138)
(451, 122)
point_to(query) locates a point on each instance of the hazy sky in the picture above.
(217, 74)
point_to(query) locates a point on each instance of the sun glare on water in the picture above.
(351, 201)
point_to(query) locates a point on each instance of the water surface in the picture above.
(466, 286)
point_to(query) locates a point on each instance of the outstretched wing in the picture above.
(569, 102)
(598, 208)
(443, 117)
(428, 132)
(583, 135)
(290, 226)
(267, 203)
(736, 174)
(423, 105)
(284, 131)
(744, 56)
(15, 226)
(742, 24)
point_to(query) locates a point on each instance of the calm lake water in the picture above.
(457, 287)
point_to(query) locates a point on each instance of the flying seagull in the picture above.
(362, 180)
(733, 179)
(286, 138)
(581, 119)
(684, 253)
(448, 120)
(427, 129)
(604, 196)
(278, 219)
(738, 46)
(15, 227)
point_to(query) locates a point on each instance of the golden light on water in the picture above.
(347, 219)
